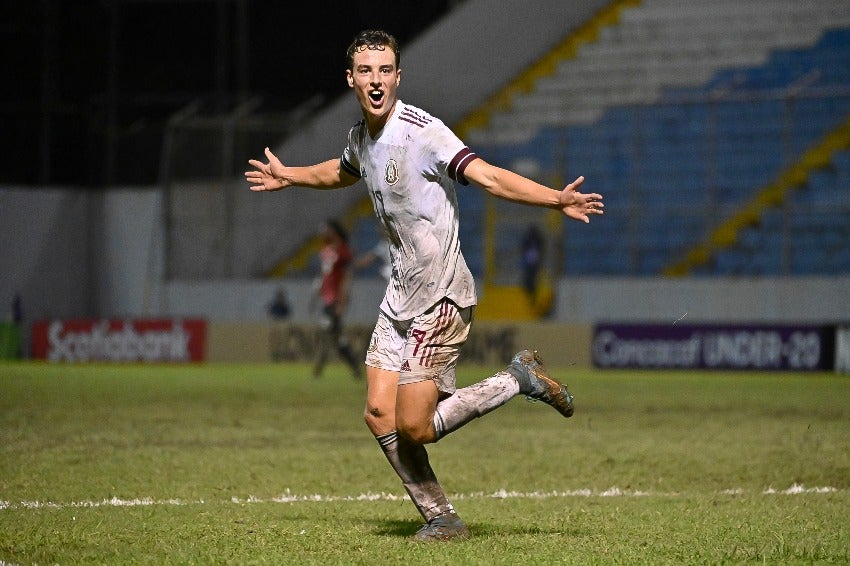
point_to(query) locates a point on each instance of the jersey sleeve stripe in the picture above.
(458, 165)
(348, 167)
(409, 116)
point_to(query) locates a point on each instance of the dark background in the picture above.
(89, 85)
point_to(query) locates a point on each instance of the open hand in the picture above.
(579, 206)
(266, 176)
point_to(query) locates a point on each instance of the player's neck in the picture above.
(376, 123)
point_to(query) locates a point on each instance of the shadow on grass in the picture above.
(406, 529)
(403, 529)
(500, 529)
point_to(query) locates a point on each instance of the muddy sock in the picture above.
(410, 461)
(474, 401)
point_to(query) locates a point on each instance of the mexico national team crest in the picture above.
(391, 175)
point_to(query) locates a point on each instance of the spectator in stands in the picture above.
(331, 289)
(17, 310)
(410, 161)
(279, 307)
(10, 331)
(532, 258)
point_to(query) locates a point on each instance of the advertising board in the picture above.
(118, 340)
(704, 346)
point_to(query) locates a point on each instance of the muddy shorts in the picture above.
(426, 347)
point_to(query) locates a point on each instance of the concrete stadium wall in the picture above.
(710, 299)
(45, 251)
(580, 300)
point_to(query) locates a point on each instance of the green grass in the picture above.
(260, 464)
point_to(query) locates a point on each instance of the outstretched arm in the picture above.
(514, 187)
(274, 175)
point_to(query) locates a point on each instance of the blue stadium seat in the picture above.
(689, 153)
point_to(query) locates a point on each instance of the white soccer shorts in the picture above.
(427, 347)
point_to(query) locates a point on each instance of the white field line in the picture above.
(288, 497)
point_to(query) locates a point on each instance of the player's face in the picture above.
(375, 79)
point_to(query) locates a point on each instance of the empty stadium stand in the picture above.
(711, 129)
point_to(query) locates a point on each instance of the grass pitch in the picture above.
(261, 464)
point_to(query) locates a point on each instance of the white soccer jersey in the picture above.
(410, 169)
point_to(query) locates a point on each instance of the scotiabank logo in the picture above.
(119, 340)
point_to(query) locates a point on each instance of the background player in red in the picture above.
(332, 290)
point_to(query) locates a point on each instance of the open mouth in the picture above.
(376, 95)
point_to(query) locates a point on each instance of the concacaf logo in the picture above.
(391, 175)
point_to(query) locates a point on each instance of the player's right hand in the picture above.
(266, 176)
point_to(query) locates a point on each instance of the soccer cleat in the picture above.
(447, 526)
(536, 384)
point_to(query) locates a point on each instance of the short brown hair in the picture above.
(372, 39)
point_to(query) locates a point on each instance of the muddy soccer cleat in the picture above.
(445, 527)
(535, 383)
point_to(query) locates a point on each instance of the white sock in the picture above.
(474, 401)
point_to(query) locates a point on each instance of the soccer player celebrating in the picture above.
(410, 162)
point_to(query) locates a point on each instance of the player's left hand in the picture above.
(579, 206)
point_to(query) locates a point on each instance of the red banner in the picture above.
(141, 340)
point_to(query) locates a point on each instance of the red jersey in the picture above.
(335, 262)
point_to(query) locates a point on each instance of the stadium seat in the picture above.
(688, 110)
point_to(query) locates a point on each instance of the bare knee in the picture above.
(418, 432)
(379, 420)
